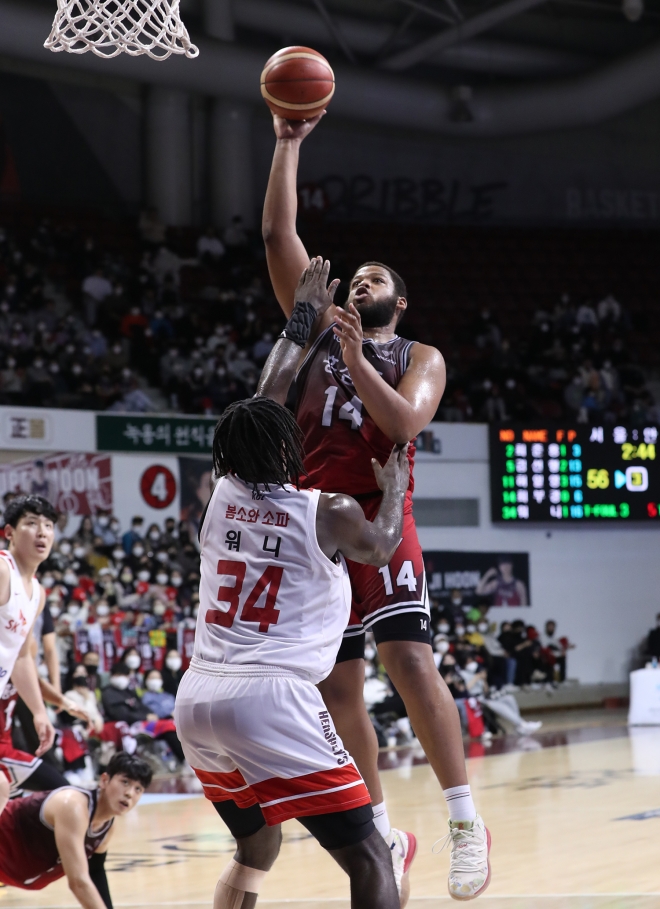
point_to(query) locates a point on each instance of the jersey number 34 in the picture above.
(265, 615)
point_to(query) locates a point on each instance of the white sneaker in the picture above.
(403, 849)
(529, 726)
(469, 867)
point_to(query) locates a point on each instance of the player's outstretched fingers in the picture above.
(332, 290)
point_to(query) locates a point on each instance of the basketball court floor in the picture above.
(574, 814)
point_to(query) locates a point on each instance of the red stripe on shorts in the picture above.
(323, 792)
(221, 787)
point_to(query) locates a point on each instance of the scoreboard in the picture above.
(577, 473)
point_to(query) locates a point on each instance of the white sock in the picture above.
(381, 820)
(460, 804)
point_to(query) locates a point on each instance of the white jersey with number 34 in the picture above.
(268, 594)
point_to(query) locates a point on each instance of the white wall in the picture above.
(601, 584)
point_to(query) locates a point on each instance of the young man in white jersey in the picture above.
(274, 600)
(29, 528)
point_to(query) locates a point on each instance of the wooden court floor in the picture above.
(574, 826)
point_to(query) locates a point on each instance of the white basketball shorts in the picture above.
(262, 735)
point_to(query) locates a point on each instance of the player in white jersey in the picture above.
(29, 528)
(274, 601)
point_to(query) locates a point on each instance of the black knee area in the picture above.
(342, 828)
(242, 822)
(45, 778)
(351, 648)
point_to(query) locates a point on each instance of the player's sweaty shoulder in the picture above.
(66, 805)
(335, 517)
(423, 356)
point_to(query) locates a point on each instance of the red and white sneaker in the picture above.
(403, 849)
(469, 865)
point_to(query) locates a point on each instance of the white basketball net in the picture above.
(112, 27)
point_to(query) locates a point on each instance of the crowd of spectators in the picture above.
(483, 667)
(184, 323)
(85, 326)
(121, 607)
(572, 363)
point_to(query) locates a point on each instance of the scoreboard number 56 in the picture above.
(598, 479)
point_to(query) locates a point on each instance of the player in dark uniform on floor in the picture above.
(50, 835)
(360, 388)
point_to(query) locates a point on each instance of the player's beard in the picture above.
(378, 314)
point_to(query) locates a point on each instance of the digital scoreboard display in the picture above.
(558, 472)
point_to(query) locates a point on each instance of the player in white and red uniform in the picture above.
(29, 527)
(274, 601)
(358, 390)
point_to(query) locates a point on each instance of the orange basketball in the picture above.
(297, 83)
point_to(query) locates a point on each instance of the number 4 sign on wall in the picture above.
(158, 486)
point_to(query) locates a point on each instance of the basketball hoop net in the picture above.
(112, 27)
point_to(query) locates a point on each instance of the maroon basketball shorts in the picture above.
(391, 601)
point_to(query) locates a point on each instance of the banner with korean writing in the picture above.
(123, 432)
(76, 483)
(471, 578)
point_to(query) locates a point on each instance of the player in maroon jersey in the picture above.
(360, 387)
(49, 835)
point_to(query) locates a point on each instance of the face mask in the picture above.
(460, 631)
(483, 627)
(103, 521)
(79, 552)
(159, 609)
(161, 578)
(144, 575)
(173, 663)
(92, 668)
(176, 582)
(472, 666)
(162, 557)
(114, 526)
(369, 671)
(154, 535)
(442, 647)
(127, 577)
(471, 629)
(70, 579)
(73, 609)
(54, 611)
(138, 551)
(369, 653)
(48, 581)
(443, 627)
(80, 681)
(155, 684)
(120, 682)
(118, 555)
(132, 661)
(102, 609)
(65, 548)
(456, 601)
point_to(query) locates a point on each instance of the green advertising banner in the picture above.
(168, 435)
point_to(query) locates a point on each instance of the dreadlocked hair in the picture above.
(259, 441)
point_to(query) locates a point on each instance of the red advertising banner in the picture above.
(76, 483)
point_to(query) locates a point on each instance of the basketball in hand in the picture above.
(297, 83)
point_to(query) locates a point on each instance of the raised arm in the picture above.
(312, 298)
(69, 811)
(285, 252)
(341, 524)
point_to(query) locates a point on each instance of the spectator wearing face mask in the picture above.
(496, 656)
(102, 529)
(158, 700)
(91, 663)
(153, 536)
(441, 646)
(132, 660)
(80, 563)
(122, 705)
(557, 649)
(171, 534)
(132, 536)
(81, 694)
(172, 673)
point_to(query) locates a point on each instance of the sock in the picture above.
(460, 804)
(381, 820)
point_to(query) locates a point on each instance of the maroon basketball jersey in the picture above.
(28, 852)
(340, 436)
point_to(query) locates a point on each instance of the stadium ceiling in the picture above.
(451, 67)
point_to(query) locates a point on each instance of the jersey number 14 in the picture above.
(350, 411)
(265, 615)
